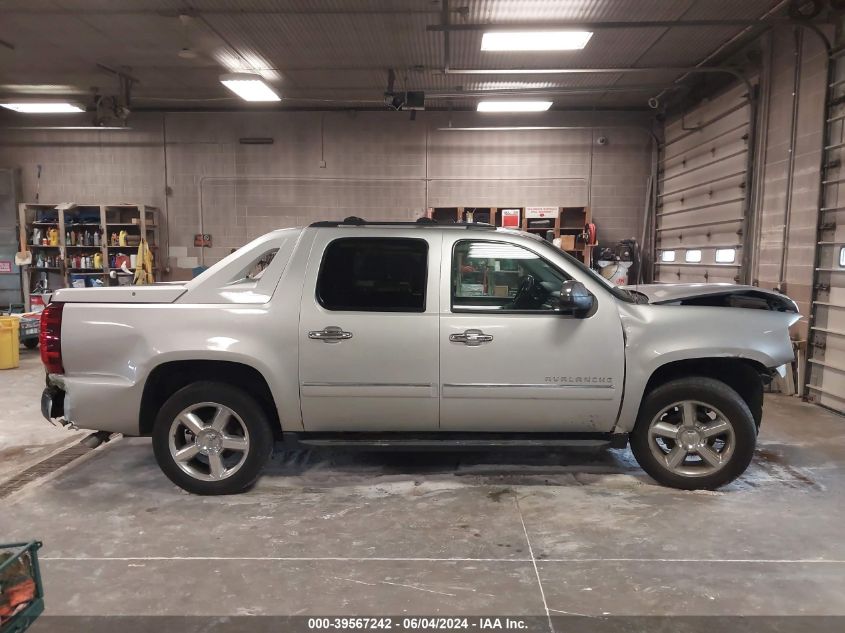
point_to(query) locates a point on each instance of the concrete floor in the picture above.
(24, 438)
(522, 534)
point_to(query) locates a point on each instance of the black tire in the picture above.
(710, 392)
(30, 343)
(251, 416)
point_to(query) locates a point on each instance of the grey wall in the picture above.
(378, 165)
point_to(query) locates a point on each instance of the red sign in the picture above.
(510, 217)
(202, 240)
(5, 266)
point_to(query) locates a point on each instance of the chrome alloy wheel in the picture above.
(209, 441)
(691, 438)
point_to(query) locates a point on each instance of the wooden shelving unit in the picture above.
(78, 238)
(566, 223)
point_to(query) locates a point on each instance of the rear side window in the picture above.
(374, 274)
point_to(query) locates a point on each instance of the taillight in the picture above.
(50, 338)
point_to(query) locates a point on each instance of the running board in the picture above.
(445, 440)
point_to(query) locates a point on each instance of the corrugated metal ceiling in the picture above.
(337, 52)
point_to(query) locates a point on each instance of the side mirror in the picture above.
(575, 299)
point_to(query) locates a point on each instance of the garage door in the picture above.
(702, 191)
(826, 366)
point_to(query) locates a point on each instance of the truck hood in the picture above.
(717, 295)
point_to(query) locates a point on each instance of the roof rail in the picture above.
(421, 223)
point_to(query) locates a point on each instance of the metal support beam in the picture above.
(592, 71)
(551, 25)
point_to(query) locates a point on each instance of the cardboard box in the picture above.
(567, 242)
(500, 291)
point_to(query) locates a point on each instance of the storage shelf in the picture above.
(137, 220)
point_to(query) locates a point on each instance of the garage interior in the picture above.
(700, 139)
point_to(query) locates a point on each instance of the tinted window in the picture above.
(374, 274)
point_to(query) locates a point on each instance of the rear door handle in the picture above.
(471, 338)
(329, 334)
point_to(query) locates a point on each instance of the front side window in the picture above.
(374, 274)
(498, 276)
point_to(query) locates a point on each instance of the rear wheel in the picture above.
(31, 343)
(694, 433)
(212, 438)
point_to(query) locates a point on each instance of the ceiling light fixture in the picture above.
(43, 107)
(507, 128)
(514, 106)
(249, 87)
(535, 40)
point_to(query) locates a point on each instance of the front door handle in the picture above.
(329, 334)
(471, 338)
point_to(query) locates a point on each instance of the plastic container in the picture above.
(10, 344)
(21, 588)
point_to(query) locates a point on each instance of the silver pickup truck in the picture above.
(415, 335)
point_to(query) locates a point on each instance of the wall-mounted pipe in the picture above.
(609, 25)
(798, 56)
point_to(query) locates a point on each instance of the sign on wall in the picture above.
(5, 267)
(510, 217)
(202, 240)
(540, 212)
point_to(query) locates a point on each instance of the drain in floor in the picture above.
(44, 468)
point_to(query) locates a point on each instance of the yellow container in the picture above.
(9, 342)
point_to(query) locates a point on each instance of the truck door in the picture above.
(368, 331)
(508, 361)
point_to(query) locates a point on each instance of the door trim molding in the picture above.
(541, 385)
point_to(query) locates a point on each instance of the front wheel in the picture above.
(212, 439)
(694, 433)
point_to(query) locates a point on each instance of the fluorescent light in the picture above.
(514, 106)
(507, 128)
(535, 40)
(42, 107)
(249, 87)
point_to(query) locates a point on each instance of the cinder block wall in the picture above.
(379, 165)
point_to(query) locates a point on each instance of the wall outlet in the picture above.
(322, 164)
